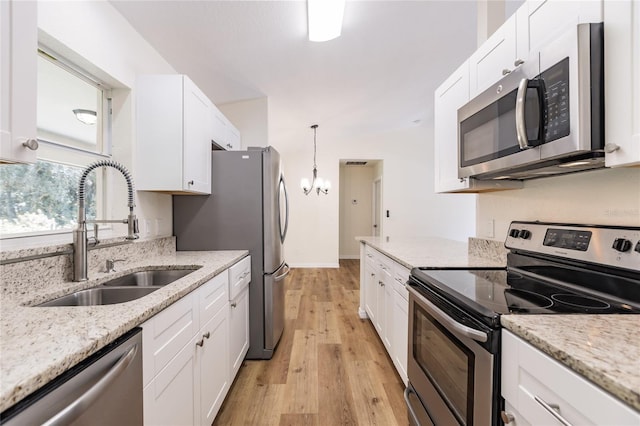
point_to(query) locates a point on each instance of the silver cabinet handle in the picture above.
(77, 407)
(380, 283)
(463, 330)
(229, 146)
(234, 304)
(190, 182)
(373, 275)
(518, 62)
(506, 71)
(31, 144)
(200, 342)
(369, 255)
(206, 335)
(550, 409)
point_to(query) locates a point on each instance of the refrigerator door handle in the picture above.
(286, 272)
(283, 233)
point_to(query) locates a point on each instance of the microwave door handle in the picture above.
(521, 124)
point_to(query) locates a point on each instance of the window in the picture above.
(73, 131)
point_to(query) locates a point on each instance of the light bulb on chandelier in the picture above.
(317, 184)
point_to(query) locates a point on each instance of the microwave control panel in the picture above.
(556, 98)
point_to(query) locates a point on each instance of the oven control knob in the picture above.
(621, 245)
(637, 247)
(525, 234)
(514, 233)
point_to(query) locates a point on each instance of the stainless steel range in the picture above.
(454, 313)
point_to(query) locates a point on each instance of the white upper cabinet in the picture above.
(622, 82)
(18, 81)
(540, 21)
(494, 59)
(174, 134)
(451, 95)
(225, 134)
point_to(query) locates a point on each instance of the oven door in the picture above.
(448, 367)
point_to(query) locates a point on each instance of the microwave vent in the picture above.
(356, 163)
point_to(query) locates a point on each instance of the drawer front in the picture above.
(165, 334)
(400, 277)
(212, 297)
(239, 276)
(540, 388)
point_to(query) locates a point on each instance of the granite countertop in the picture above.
(603, 348)
(432, 251)
(37, 343)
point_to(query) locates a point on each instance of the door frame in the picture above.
(376, 206)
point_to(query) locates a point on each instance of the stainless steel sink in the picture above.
(122, 289)
(101, 296)
(156, 277)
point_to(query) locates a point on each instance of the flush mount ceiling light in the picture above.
(317, 183)
(86, 116)
(325, 19)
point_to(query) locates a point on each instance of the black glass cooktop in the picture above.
(500, 291)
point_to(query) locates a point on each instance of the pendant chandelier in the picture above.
(317, 184)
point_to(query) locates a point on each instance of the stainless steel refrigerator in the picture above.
(247, 209)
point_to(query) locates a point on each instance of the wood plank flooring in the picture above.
(330, 367)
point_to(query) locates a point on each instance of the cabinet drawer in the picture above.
(385, 266)
(400, 277)
(165, 334)
(531, 379)
(239, 276)
(212, 297)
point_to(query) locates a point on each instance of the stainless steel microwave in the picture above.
(544, 118)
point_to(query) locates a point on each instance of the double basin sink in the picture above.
(122, 289)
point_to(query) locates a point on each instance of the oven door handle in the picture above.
(438, 314)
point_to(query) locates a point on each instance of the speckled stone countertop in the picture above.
(37, 343)
(431, 251)
(603, 348)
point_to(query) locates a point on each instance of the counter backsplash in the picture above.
(40, 267)
(489, 249)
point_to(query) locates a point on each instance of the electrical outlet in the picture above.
(489, 226)
(158, 226)
(146, 223)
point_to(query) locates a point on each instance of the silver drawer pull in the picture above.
(200, 342)
(206, 335)
(552, 409)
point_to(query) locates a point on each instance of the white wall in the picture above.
(96, 37)
(251, 117)
(603, 197)
(356, 211)
(407, 192)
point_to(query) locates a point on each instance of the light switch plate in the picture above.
(488, 228)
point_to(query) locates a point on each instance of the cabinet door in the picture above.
(213, 374)
(197, 140)
(170, 397)
(540, 21)
(451, 95)
(400, 334)
(622, 85)
(238, 331)
(18, 80)
(494, 59)
(386, 309)
(371, 290)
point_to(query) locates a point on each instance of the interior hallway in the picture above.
(330, 367)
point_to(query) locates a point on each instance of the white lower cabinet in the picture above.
(539, 390)
(190, 357)
(385, 302)
(238, 330)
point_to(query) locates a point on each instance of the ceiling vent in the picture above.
(356, 163)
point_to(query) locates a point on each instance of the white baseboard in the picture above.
(314, 265)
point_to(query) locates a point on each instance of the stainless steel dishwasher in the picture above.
(105, 389)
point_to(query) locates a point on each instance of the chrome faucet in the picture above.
(80, 241)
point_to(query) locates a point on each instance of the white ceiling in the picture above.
(378, 76)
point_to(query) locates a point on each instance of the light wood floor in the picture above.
(330, 367)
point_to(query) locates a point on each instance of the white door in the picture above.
(377, 193)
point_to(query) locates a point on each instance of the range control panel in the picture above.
(606, 245)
